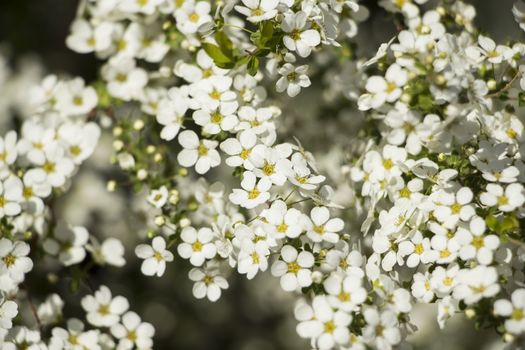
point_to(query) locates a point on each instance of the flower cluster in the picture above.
(437, 170)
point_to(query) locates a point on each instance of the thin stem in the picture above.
(33, 308)
(237, 27)
(506, 87)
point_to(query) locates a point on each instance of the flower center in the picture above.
(197, 246)
(254, 193)
(517, 314)
(293, 267)
(49, 167)
(282, 228)
(344, 297)
(78, 100)
(256, 12)
(216, 118)
(388, 164)
(202, 150)
(103, 309)
(268, 169)
(245, 153)
(478, 242)
(9, 260)
(456, 208)
(502, 200)
(419, 248)
(329, 327)
(194, 17)
(319, 229)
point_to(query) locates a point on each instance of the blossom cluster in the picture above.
(184, 89)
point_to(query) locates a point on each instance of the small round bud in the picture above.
(142, 174)
(138, 125)
(151, 233)
(28, 235)
(193, 205)
(317, 277)
(508, 338)
(440, 80)
(183, 172)
(470, 313)
(492, 84)
(441, 10)
(160, 221)
(118, 145)
(442, 157)
(184, 222)
(52, 278)
(111, 185)
(117, 131)
(157, 158)
(405, 98)
(174, 197)
(150, 149)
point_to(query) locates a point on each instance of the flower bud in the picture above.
(111, 185)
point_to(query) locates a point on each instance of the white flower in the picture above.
(208, 283)
(200, 153)
(292, 79)
(8, 149)
(214, 120)
(258, 10)
(13, 259)
(421, 288)
(73, 98)
(132, 332)
(508, 200)
(74, 337)
(475, 244)
(319, 227)
(494, 54)
(382, 329)
(171, 112)
(252, 193)
(57, 166)
(346, 292)
(283, 221)
(8, 311)
(50, 311)
(256, 120)
(513, 311)
(252, 257)
(124, 80)
(85, 38)
(381, 90)
(158, 197)
(239, 149)
(418, 250)
(320, 322)
(191, 15)
(102, 309)
(452, 207)
(197, 245)
(155, 257)
(110, 252)
(79, 139)
(476, 283)
(11, 195)
(68, 242)
(271, 162)
(294, 268)
(298, 38)
(444, 280)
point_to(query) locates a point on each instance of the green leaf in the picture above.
(253, 65)
(225, 44)
(217, 55)
(492, 223)
(266, 32)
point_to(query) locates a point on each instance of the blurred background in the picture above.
(250, 315)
